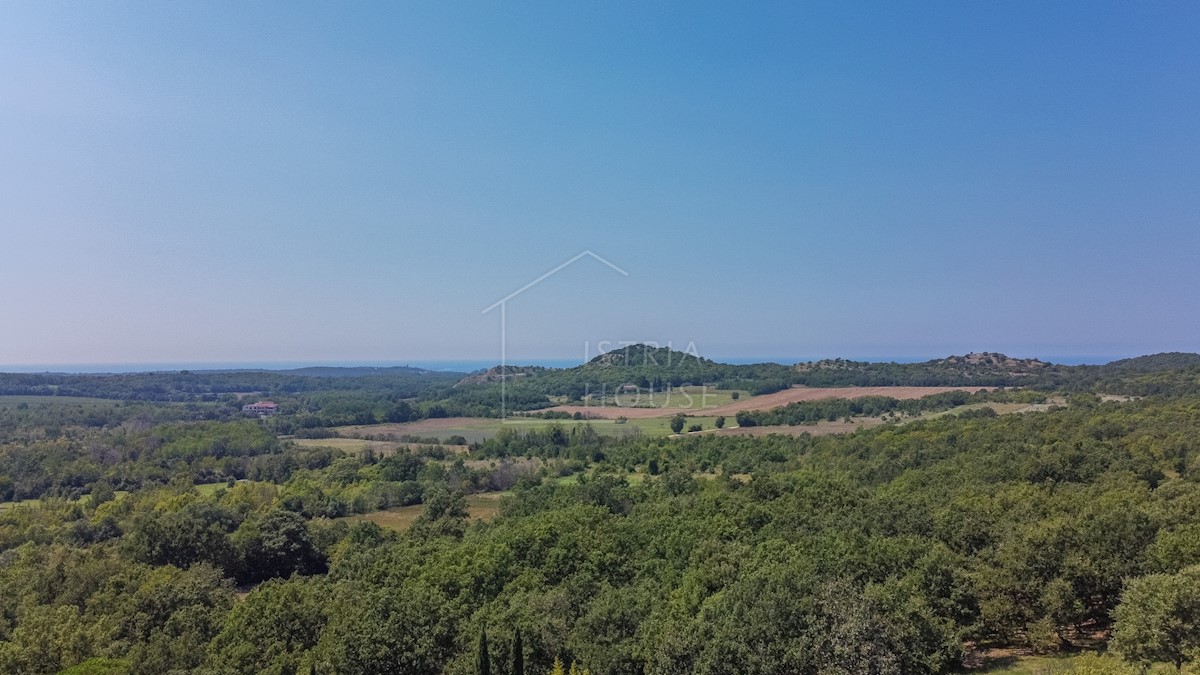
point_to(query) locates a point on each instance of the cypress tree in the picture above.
(483, 665)
(518, 654)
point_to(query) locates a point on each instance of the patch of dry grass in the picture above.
(481, 506)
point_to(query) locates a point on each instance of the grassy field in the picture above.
(476, 429)
(1029, 665)
(1061, 664)
(473, 429)
(650, 426)
(822, 428)
(23, 502)
(208, 489)
(14, 401)
(482, 506)
(350, 445)
(997, 662)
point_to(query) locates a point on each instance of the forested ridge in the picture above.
(212, 385)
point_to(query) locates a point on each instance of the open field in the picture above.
(23, 502)
(476, 429)
(354, 446)
(473, 429)
(765, 402)
(818, 429)
(481, 506)
(208, 489)
(648, 421)
(14, 401)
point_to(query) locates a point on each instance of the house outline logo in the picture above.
(502, 305)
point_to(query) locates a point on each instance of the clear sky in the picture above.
(202, 181)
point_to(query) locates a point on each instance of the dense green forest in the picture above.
(180, 537)
(211, 385)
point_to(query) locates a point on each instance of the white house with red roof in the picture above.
(261, 409)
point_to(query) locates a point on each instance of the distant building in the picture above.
(261, 409)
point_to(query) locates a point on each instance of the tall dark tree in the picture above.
(483, 665)
(518, 655)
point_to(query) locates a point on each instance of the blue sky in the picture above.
(201, 182)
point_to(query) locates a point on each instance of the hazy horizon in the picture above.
(471, 365)
(300, 182)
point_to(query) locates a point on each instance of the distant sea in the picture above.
(464, 366)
